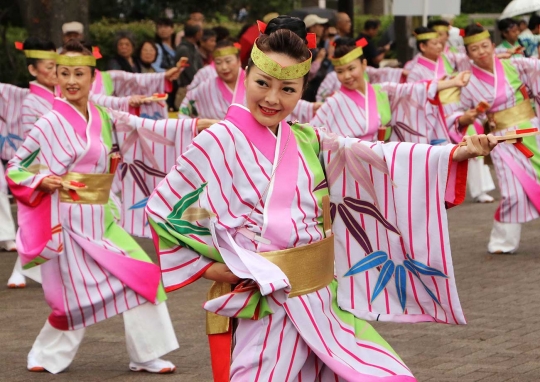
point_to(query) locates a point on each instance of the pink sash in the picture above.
(278, 225)
(42, 92)
(372, 113)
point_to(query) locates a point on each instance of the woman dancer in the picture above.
(247, 204)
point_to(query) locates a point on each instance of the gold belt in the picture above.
(97, 191)
(308, 268)
(450, 95)
(504, 119)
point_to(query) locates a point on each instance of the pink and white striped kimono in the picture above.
(206, 73)
(92, 269)
(212, 99)
(124, 84)
(36, 104)
(331, 84)
(518, 176)
(228, 199)
(11, 129)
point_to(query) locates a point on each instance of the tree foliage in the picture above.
(483, 6)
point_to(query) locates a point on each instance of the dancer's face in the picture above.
(432, 49)
(227, 68)
(481, 53)
(351, 75)
(75, 81)
(45, 72)
(271, 100)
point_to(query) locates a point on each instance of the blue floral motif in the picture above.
(157, 115)
(9, 140)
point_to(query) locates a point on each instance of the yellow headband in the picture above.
(226, 51)
(440, 28)
(272, 68)
(41, 54)
(76, 60)
(348, 58)
(476, 37)
(426, 36)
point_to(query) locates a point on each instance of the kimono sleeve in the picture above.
(329, 85)
(379, 75)
(127, 84)
(303, 112)
(529, 73)
(111, 102)
(29, 115)
(323, 116)
(393, 258)
(188, 107)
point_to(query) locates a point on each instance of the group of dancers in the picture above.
(310, 218)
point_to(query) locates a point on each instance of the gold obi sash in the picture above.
(450, 95)
(309, 268)
(522, 112)
(97, 191)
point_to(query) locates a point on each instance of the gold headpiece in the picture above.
(75, 60)
(348, 58)
(40, 54)
(272, 68)
(476, 37)
(426, 36)
(226, 51)
(440, 28)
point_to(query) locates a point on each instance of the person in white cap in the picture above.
(71, 30)
(315, 24)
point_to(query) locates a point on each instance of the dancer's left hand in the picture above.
(476, 146)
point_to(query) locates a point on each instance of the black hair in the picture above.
(534, 21)
(372, 24)
(165, 22)
(522, 21)
(435, 23)
(74, 45)
(221, 32)
(422, 30)
(345, 45)
(283, 41)
(191, 30)
(504, 24)
(208, 33)
(294, 24)
(35, 43)
(139, 49)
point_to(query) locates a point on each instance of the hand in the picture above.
(137, 100)
(50, 184)
(387, 47)
(462, 79)
(173, 73)
(468, 118)
(505, 55)
(477, 145)
(405, 72)
(321, 55)
(316, 106)
(203, 123)
(221, 273)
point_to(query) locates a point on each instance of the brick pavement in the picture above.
(500, 296)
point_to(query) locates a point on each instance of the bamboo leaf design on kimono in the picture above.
(186, 228)
(140, 204)
(407, 264)
(321, 186)
(355, 228)
(335, 167)
(28, 161)
(424, 269)
(384, 277)
(9, 138)
(370, 261)
(368, 155)
(149, 170)
(406, 104)
(400, 277)
(193, 214)
(370, 209)
(183, 204)
(408, 129)
(123, 170)
(333, 209)
(360, 174)
(138, 178)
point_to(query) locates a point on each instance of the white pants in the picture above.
(479, 178)
(149, 335)
(505, 237)
(7, 226)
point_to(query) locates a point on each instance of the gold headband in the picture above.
(476, 37)
(226, 51)
(426, 36)
(440, 28)
(76, 60)
(272, 68)
(41, 54)
(349, 57)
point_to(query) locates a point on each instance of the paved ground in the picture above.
(500, 296)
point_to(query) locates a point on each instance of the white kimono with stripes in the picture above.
(212, 99)
(11, 129)
(375, 192)
(518, 176)
(91, 268)
(331, 83)
(206, 73)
